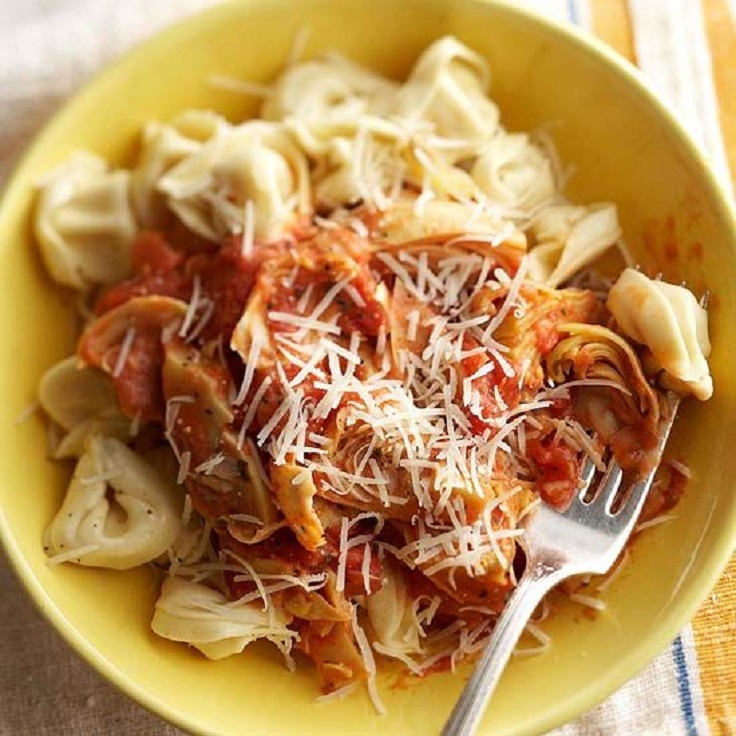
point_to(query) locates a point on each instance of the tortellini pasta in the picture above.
(570, 238)
(670, 322)
(164, 145)
(359, 128)
(119, 512)
(84, 222)
(448, 87)
(256, 162)
(203, 617)
(329, 92)
(514, 172)
(81, 400)
(400, 224)
(351, 171)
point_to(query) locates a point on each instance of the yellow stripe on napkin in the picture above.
(714, 628)
(612, 24)
(720, 27)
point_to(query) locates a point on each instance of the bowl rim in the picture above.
(723, 546)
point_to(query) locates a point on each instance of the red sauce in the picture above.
(157, 271)
(557, 470)
(152, 254)
(282, 546)
(508, 387)
(367, 317)
(670, 249)
(696, 252)
(633, 447)
(227, 278)
(546, 333)
(138, 385)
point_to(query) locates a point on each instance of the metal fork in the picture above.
(586, 538)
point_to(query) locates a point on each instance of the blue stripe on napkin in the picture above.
(683, 686)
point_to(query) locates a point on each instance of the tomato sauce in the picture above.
(227, 278)
(508, 388)
(138, 385)
(156, 267)
(282, 546)
(546, 333)
(558, 470)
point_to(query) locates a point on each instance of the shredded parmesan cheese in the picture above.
(125, 347)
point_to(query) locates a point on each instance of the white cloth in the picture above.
(48, 48)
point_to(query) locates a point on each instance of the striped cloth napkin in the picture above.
(685, 49)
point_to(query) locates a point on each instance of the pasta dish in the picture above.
(332, 358)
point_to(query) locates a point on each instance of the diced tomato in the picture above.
(227, 278)
(547, 334)
(508, 387)
(557, 470)
(173, 284)
(151, 253)
(138, 385)
(365, 316)
(274, 395)
(157, 271)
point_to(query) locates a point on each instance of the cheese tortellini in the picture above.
(193, 613)
(256, 162)
(119, 512)
(570, 238)
(448, 87)
(360, 129)
(84, 222)
(328, 93)
(82, 401)
(670, 322)
(514, 172)
(165, 145)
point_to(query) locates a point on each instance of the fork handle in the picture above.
(536, 582)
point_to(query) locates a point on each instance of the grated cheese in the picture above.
(368, 660)
(184, 461)
(588, 601)
(247, 242)
(191, 307)
(680, 468)
(125, 347)
(306, 322)
(656, 521)
(251, 363)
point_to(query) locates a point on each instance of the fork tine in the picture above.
(607, 489)
(586, 478)
(633, 503)
(629, 512)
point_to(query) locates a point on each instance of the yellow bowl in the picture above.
(626, 148)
